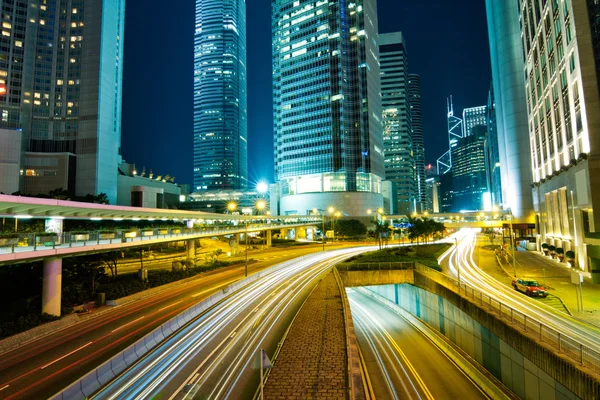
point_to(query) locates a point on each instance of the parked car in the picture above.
(530, 287)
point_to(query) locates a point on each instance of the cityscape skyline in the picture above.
(177, 143)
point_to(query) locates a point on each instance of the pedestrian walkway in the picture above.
(313, 360)
(549, 272)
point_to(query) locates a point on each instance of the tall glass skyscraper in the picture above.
(62, 64)
(416, 113)
(220, 95)
(397, 119)
(327, 106)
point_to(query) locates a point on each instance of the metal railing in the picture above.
(23, 242)
(376, 266)
(567, 346)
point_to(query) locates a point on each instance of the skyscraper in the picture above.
(220, 95)
(397, 129)
(327, 106)
(472, 117)
(416, 113)
(455, 132)
(62, 67)
(469, 179)
(492, 158)
(507, 54)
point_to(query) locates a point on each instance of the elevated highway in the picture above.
(53, 245)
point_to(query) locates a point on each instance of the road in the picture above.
(401, 362)
(43, 367)
(462, 260)
(214, 355)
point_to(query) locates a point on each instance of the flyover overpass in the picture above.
(468, 219)
(54, 244)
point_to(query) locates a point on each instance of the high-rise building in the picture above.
(61, 64)
(492, 158)
(327, 106)
(472, 117)
(220, 95)
(416, 113)
(397, 119)
(455, 132)
(469, 178)
(514, 149)
(559, 43)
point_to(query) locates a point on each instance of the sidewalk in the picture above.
(554, 275)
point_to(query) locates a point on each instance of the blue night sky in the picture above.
(447, 44)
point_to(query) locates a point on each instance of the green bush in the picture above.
(570, 254)
(425, 254)
(544, 245)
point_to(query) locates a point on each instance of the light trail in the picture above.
(471, 274)
(229, 331)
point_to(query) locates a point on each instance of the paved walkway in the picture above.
(313, 362)
(556, 276)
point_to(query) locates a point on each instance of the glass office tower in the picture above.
(62, 65)
(220, 95)
(416, 113)
(327, 106)
(398, 144)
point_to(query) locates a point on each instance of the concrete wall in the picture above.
(10, 160)
(520, 373)
(358, 278)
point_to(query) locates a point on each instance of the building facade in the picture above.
(507, 54)
(563, 101)
(62, 67)
(492, 157)
(469, 178)
(220, 95)
(472, 117)
(327, 106)
(416, 113)
(397, 120)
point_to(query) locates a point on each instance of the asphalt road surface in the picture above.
(401, 362)
(43, 367)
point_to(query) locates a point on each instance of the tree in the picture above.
(350, 228)
(382, 231)
(424, 228)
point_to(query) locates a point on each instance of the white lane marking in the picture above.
(232, 334)
(193, 380)
(129, 323)
(171, 305)
(202, 292)
(2, 388)
(65, 356)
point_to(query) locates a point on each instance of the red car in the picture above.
(530, 287)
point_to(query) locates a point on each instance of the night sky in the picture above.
(447, 45)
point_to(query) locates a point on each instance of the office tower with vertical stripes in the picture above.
(62, 66)
(327, 106)
(397, 120)
(416, 113)
(220, 95)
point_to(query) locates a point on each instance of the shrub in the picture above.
(560, 251)
(544, 245)
(551, 249)
(570, 254)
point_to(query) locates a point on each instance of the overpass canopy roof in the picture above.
(32, 207)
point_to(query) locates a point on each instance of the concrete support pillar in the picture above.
(234, 244)
(268, 235)
(296, 233)
(284, 233)
(191, 249)
(52, 286)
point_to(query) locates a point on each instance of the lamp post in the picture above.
(260, 206)
(512, 241)
(319, 211)
(457, 262)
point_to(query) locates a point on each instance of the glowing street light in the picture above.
(262, 187)
(261, 205)
(231, 206)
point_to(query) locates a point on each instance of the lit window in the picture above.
(59, 82)
(6, 25)
(18, 43)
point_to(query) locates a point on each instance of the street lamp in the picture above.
(512, 241)
(261, 205)
(315, 211)
(231, 206)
